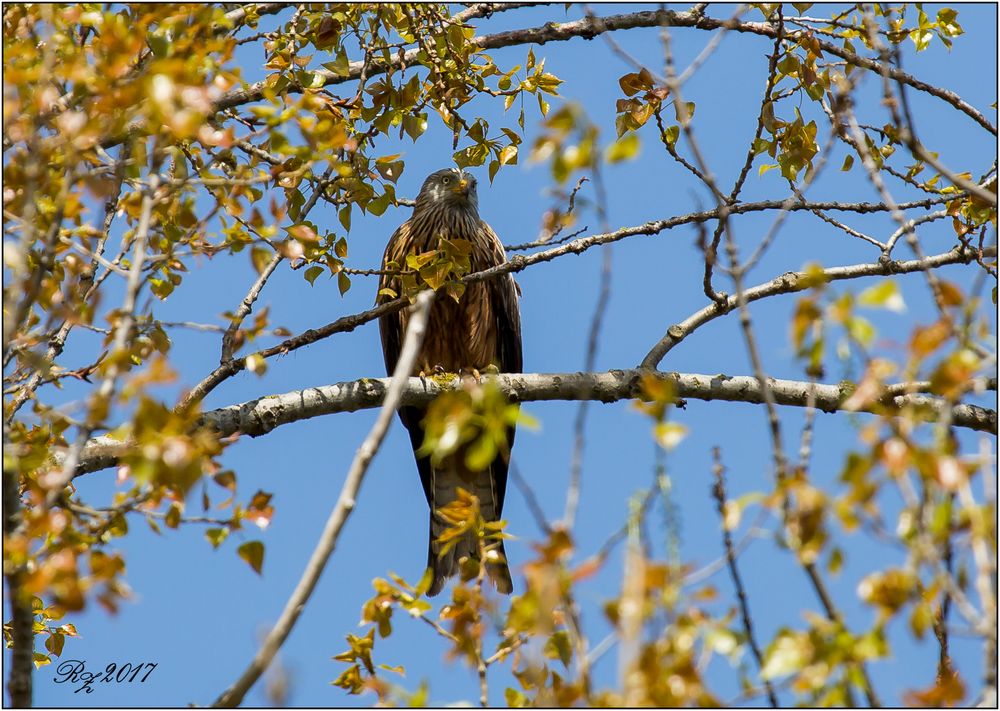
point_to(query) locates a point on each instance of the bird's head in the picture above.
(450, 188)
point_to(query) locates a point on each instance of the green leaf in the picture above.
(921, 39)
(788, 653)
(173, 517)
(558, 647)
(310, 80)
(343, 283)
(253, 553)
(862, 330)
(55, 643)
(508, 156)
(884, 295)
(415, 125)
(161, 288)
(341, 65)
(848, 162)
(671, 134)
(685, 114)
(669, 434)
(516, 699)
(260, 257)
(256, 364)
(623, 149)
(312, 273)
(216, 536)
(543, 105)
(379, 205)
(40, 659)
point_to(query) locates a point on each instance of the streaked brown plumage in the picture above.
(481, 329)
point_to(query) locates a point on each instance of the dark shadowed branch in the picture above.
(719, 492)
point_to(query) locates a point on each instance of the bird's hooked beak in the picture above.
(462, 187)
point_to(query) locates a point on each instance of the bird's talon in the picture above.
(439, 369)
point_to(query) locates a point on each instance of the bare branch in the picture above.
(792, 282)
(237, 16)
(229, 337)
(394, 389)
(719, 492)
(600, 308)
(517, 263)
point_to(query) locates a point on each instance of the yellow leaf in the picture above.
(623, 149)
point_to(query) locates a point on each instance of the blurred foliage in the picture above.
(133, 144)
(135, 151)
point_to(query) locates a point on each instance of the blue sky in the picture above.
(200, 613)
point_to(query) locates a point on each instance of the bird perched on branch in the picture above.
(479, 329)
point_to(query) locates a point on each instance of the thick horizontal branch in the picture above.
(260, 416)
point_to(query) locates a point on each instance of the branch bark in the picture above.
(260, 416)
(19, 676)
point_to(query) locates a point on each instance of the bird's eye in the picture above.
(445, 180)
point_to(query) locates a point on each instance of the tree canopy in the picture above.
(783, 205)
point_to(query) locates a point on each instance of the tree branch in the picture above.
(394, 388)
(588, 28)
(791, 282)
(19, 676)
(518, 263)
(719, 493)
(123, 332)
(260, 416)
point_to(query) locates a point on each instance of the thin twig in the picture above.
(530, 499)
(123, 331)
(711, 251)
(229, 337)
(719, 492)
(593, 339)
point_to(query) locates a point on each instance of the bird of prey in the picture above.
(481, 329)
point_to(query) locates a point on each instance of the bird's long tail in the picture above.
(446, 481)
(448, 564)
